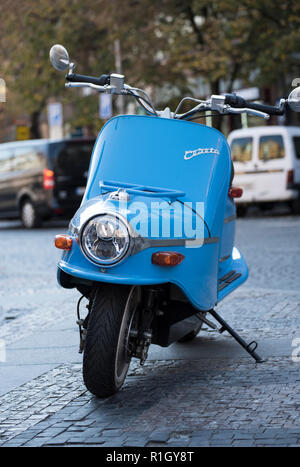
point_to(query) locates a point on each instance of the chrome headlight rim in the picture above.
(108, 263)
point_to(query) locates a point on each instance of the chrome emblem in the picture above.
(197, 152)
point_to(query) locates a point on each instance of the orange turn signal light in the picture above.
(235, 192)
(63, 242)
(167, 258)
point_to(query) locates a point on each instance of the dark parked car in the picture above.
(43, 178)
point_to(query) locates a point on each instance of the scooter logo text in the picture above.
(197, 152)
(158, 220)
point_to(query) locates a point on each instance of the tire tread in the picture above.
(100, 349)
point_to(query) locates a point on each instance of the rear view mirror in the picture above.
(59, 57)
(294, 99)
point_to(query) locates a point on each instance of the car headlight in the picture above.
(105, 239)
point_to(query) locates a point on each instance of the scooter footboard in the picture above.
(232, 273)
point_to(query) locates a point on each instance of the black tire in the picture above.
(191, 335)
(29, 215)
(266, 206)
(295, 206)
(241, 211)
(105, 359)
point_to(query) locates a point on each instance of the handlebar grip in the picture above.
(269, 109)
(101, 81)
(236, 101)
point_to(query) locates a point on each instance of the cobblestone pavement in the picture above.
(177, 402)
(28, 287)
(166, 403)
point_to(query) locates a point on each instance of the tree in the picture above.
(163, 43)
(30, 30)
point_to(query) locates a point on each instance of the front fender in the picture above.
(197, 282)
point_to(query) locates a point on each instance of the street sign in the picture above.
(22, 133)
(55, 114)
(55, 120)
(105, 106)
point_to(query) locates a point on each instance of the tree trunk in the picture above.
(215, 89)
(35, 132)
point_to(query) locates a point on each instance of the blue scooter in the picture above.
(152, 245)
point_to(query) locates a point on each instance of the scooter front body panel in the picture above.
(137, 268)
(146, 152)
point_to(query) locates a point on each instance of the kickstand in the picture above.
(250, 348)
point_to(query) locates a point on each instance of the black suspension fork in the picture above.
(146, 316)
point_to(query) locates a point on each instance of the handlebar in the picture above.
(113, 84)
(239, 102)
(224, 104)
(101, 81)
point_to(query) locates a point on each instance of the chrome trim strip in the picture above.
(181, 241)
(211, 240)
(140, 244)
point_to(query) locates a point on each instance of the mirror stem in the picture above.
(72, 67)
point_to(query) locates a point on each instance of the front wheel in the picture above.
(107, 356)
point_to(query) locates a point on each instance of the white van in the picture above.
(267, 166)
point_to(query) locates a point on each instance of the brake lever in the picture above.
(258, 113)
(88, 85)
(108, 88)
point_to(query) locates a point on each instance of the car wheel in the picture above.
(29, 216)
(295, 206)
(241, 211)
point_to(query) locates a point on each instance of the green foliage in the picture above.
(163, 42)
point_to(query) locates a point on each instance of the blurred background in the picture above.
(192, 47)
(170, 48)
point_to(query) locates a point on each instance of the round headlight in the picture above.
(105, 239)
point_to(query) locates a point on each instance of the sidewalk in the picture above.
(37, 354)
(206, 393)
(58, 344)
